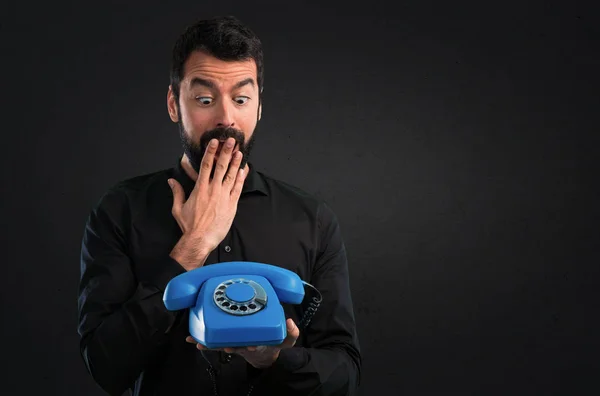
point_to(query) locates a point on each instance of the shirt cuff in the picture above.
(290, 360)
(169, 270)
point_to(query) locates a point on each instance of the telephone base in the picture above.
(238, 344)
(213, 327)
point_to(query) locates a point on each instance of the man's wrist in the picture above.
(190, 253)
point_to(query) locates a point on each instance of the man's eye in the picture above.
(242, 100)
(204, 100)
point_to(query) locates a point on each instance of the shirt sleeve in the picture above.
(122, 321)
(329, 361)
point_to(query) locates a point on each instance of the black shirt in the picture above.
(129, 340)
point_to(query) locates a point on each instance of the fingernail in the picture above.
(170, 183)
(213, 143)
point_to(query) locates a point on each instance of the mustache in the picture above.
(222, 133)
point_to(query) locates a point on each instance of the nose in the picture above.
(224, 115)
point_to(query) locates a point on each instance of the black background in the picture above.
(456, 142)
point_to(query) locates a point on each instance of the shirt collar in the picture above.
(254, 181)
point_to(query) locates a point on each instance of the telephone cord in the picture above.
(312, 307)
(211, 373)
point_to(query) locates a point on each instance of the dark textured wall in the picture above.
(456, 143)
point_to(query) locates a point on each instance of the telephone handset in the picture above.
(237, 303)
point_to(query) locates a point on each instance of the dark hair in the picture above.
(225, 38)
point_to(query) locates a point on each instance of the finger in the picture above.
(236, 191)
(207, 162)
(205, 348)
(199, 346)
(224, 159)
(263, 348)
(256, 348)
(234, 167)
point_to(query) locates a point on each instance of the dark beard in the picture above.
(195, 151)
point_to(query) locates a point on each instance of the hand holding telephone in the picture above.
(237, 303)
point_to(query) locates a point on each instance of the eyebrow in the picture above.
(209, 84)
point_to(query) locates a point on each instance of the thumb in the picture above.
(177, 195)
(292, 334)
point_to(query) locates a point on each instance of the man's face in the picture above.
(217, 99)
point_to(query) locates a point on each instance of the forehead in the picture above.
(224, 73)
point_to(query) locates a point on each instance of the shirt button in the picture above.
(227, 249)
(228, 357)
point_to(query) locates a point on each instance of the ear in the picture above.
(260, 103)
(172, 105)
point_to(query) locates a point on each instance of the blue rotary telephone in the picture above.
(237, 303)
